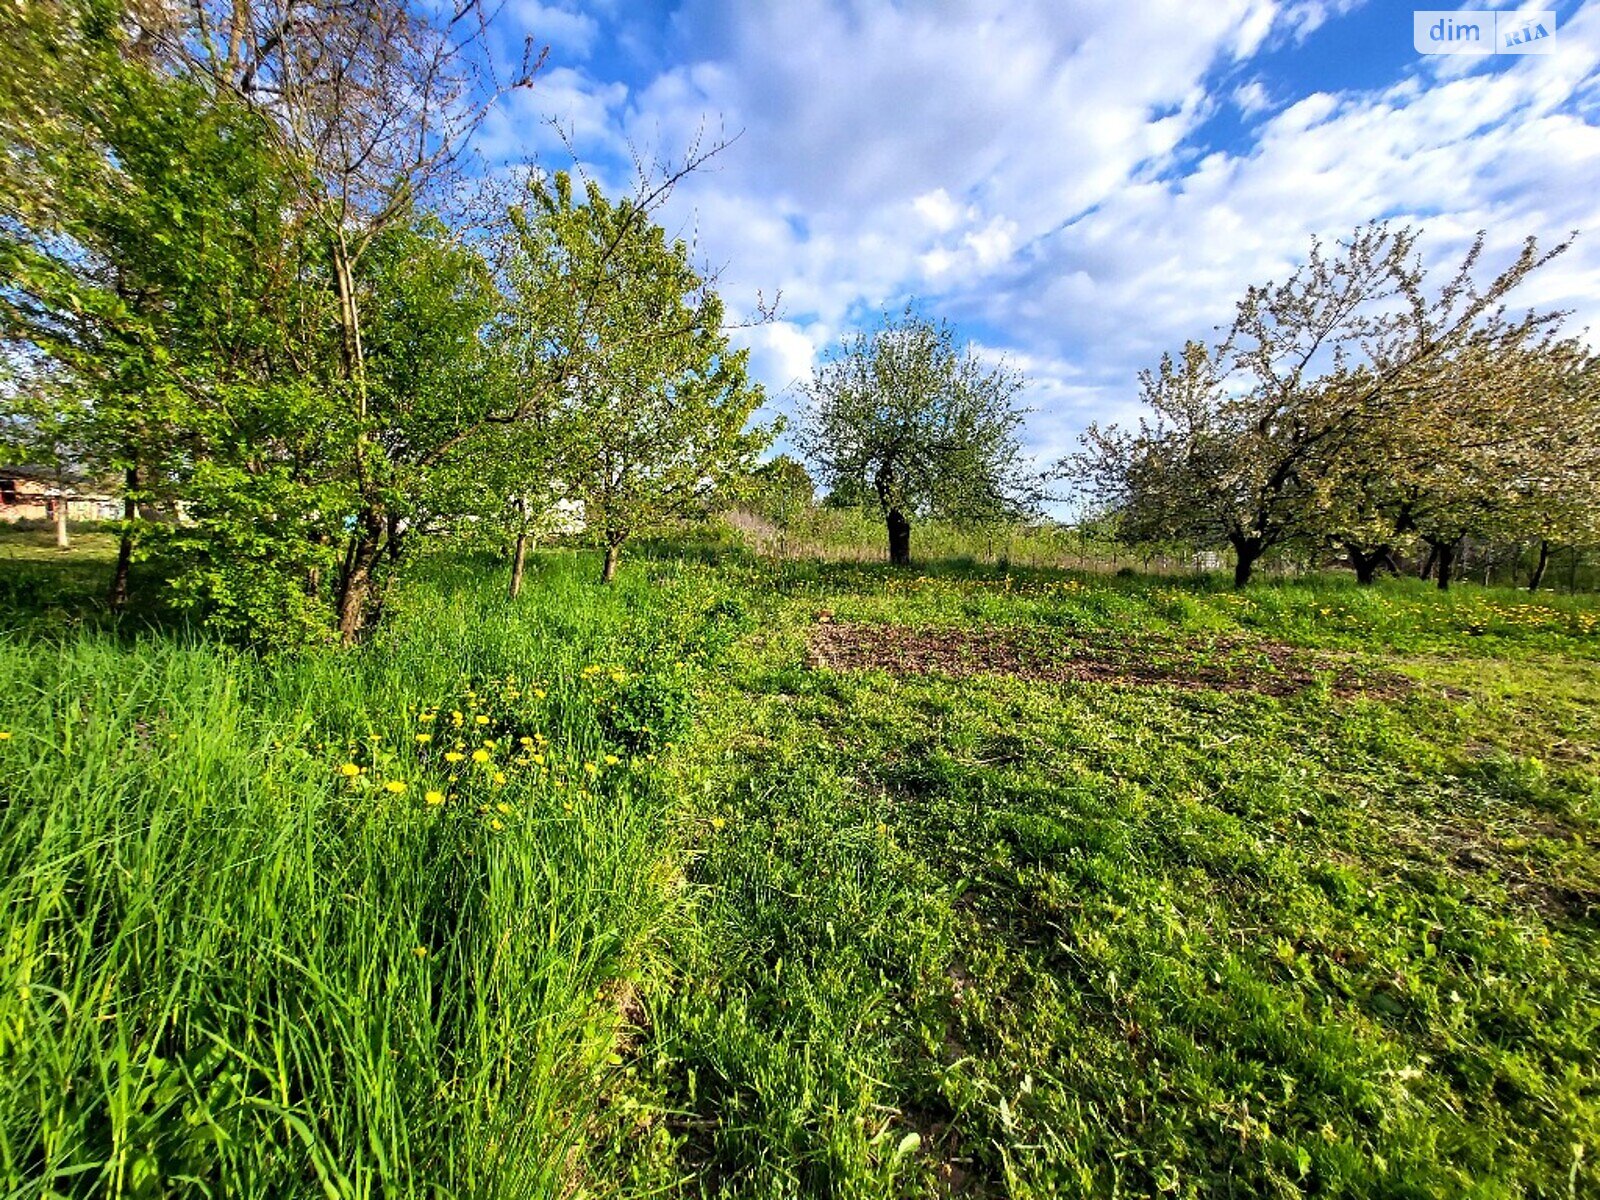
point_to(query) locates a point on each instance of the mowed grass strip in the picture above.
(969, 932)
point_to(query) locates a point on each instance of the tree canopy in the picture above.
(1355, 404)
(904, 419)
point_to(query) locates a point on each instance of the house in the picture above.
(46, 494)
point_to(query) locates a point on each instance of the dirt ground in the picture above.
(1222, 664)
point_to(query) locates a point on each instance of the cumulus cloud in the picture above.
(1034, 169)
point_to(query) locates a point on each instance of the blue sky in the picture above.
(1078, 185)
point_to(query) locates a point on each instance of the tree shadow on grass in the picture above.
(47, 592)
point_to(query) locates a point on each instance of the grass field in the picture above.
(810, 880)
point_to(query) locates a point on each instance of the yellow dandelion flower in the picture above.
(395, 785)
(618, 676)
(427, 716)
(539, 693)
(5, 735)
(524, 741)
(421, 952)
(496, 824)
(590, 769)
(480, 756)
(536, 759)
(718, 822)
(435, 798)
(499, 776)
(612, 760)
(424, 738)
(502, 808)
(454, 756)
(349, 770)
(489, 744)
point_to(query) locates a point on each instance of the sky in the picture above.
(1078, 185)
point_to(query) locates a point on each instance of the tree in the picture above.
(379, 103)
(622, 341)
(1244, 436)
(155, 288)
(904, 419)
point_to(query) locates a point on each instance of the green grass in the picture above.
(228, 969)
(815, 932)
(997, 937)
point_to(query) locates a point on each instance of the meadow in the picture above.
(757, 878)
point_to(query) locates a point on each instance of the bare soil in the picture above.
(1221, 664)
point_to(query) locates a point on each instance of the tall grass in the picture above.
(228, 969)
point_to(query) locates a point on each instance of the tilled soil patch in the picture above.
(1222, 664)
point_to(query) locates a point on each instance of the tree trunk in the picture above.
(1429, 563)
(1538, 571)
(1368, 562)
(355, 589)
(394, 542)
(1246, 552)
(608, 572)
(63, 538)
(899, 538)
(1445, 557)
(130, 513)
(519, 558)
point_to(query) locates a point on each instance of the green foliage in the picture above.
(648, 404)
(1357, 403)
(782, 491)
(902, 419)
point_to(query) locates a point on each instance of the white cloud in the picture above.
(1252, 98)
(562, 29)
(1022, 166)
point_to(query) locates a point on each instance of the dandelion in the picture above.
(502, 808)
(618, 676)
(499, 776)
(349, 770)
(718, 822)
(496, 824)
(480, 756)
(489, 744)
(424, 738)
(427, 716)
(524, 741)
(536, 759)
(480, 719)
(396, 786)
(454, 756)
(455, 717)
(435, 798)
(539, 693)
(420, 951)
(591, 770)
(5, 735)
(612, 760)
